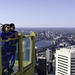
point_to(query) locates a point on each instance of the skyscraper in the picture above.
(49, 55)
(65, 61)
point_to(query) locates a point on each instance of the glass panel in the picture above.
(16, 68)
(26, 51)
(9, 57)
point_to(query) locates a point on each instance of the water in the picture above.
(45, 36)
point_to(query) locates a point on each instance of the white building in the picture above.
(65, 61)
(49, 55)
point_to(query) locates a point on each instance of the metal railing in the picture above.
(25, 54)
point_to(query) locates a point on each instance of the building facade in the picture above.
(65, 61)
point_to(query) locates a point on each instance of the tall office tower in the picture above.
(49, 67)
(42, 66)
(49, 55)
(65, 61)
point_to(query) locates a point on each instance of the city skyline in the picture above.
(38, 13)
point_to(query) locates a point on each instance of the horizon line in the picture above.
(44, 27)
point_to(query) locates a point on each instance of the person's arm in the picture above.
(16, 33)
(3, 36)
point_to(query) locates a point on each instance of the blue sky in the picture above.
(38, 13)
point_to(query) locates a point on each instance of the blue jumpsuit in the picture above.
(5, 49)
(13, 50)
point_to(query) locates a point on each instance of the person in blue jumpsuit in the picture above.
(5, 47)
(13, 34)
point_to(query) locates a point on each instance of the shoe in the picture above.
(10, 70)
(5, 72)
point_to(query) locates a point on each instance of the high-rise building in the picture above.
(49, 58)
(49, 55)
(42, 66)
(65, 61)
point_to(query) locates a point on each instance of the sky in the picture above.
(38, 13)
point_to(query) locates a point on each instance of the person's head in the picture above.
(6, 28)
(12, 27)
(3, 27)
